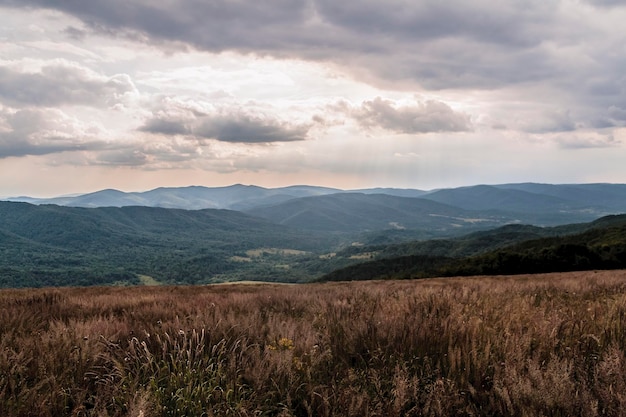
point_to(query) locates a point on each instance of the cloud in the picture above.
(75, 33)
(586, 140)
(61, 83)
(549, 121)
(541, 72)
(422, 41)
(233, 125)
(219, 26)
(426, 44)
(245, 128)
(165, 127)
(606, 3)
(159, 154)
(422, 117)
(618, 114)
(45, 131)
(500, 23)
(121, 157)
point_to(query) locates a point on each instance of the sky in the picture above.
(138, 94)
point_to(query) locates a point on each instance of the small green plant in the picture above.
(281, 344)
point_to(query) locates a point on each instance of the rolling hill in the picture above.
(609, 197)
(53, 245)
(486, 197)
(358, 212)
(508, 250)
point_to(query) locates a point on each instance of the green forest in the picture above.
(602, 245)
(49, 245)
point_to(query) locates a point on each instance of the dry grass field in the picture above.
(534, 345)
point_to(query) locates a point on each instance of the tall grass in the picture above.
(545, 345)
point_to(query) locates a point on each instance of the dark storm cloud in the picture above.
(617, 113)
(429, 116)
(415, 45)
(232, 126)
(489, 22)
(606, 3)
(426, 42)
(249, 129)
(57, 85)
(213, 25)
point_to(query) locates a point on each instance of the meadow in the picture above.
(527, 345)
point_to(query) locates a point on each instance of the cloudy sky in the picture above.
(136, 94)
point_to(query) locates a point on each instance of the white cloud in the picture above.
(60, 83)
(46, 131)
(414, 118)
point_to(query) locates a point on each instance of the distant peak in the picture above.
(106, 191)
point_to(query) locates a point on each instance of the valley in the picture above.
(196, 235)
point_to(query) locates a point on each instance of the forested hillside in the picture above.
(508, 250)
(50, 245)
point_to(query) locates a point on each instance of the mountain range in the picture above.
(238, 196)
(289, 234)
(235, 197)
(326, 209)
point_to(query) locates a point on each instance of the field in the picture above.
(531, 345)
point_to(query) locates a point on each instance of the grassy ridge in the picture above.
(527, 345)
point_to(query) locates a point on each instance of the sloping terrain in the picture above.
(611, 197)
(53, 245)
(549, 203)
(486, 197)
(357, 212)
(509, 250)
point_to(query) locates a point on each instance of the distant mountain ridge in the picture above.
(600, 198)
(437, 213)
(233, 197)
(189, 198)
(535, 197)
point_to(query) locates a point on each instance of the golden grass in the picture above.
(543, 345)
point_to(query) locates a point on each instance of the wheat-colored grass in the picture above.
(543, 345)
